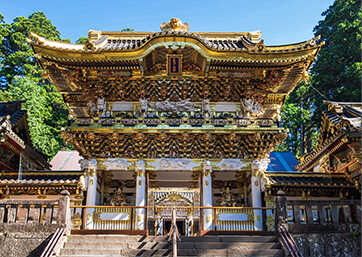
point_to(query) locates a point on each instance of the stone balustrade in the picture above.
(320, 215)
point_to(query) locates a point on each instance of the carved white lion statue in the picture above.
(249, 107)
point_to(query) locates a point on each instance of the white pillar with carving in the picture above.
(258, 168)
(207, 195)
(140, 194)
(90, 166)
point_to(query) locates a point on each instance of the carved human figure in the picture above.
(227, 198)
(81, 183)
(101, 104)
(143, 105)
(92, 108)
(188, 225)
(118, 199)
(159, 226)
(206, 106)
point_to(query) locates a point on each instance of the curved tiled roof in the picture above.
(40, 177)
(308, 179)
(42, 183)
(37, 181)
(215, 44)
(13, 110)
(115, 44)
(345, 118)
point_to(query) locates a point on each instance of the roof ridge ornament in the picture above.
(175, 24)
(254, 36)
(89, 45)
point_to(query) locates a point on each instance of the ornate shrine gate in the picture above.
(174, 109)
(184, 200)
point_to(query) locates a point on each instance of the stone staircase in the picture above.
(126, 245)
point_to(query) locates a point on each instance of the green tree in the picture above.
(16, 56)
(297, 117)
(337, 71)
(335, 76)
(20, 79)
(44, 107)
(81, 40)
(127, 30)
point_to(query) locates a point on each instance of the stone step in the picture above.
(111, 238)
(91, 255)
(225, 245)
(118, 255)
(231, 252)
(125, 238)
(116, 245)
(181, 252)
(110, 252)
(207, 246)
(170, 255)
(166, 245)
(260, 239)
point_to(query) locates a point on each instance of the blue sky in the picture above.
(281, 21)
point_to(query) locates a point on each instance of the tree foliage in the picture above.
(337, 72)
(297, 116)
(20, 79)
(16, 56)
(81, 40)
(335, 76)
(127, 30)
(44, 107)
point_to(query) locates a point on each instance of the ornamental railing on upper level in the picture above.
(173, 120)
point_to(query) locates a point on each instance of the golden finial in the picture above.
(175, 24)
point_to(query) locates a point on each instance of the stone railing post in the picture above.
(281, 215)
(64, 216)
